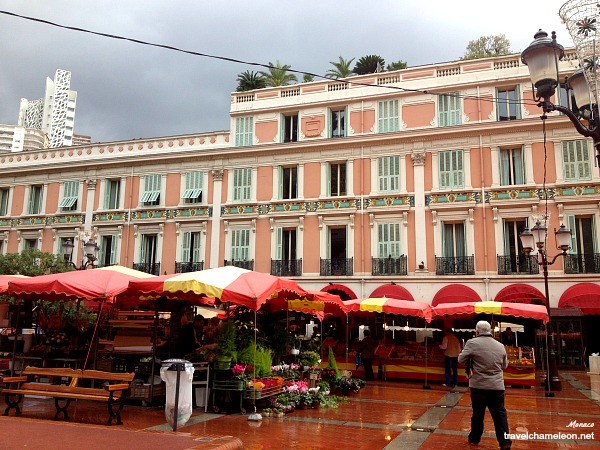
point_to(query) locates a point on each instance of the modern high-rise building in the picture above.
(54, 113)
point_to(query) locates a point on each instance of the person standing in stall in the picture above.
(451, 346)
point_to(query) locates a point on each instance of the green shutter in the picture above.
(185, 247)
(572, 223)
(278, 243)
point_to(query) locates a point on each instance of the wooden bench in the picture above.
(113, 392)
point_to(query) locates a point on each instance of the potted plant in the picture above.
(308, 359)
(239, 376)
(226, 345)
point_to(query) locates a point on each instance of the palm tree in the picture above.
(277, 75)
(398, 65)
(368, 64)
(342, 68)
(248, 81)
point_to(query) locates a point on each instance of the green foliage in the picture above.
(368, 64)
(307, 78)
(32, 262)
(332, 362)
(308, 358)
(248, 81)
(258, 357)
(226, 340)
(398, 65)
(487, 46)
(278, 76)
(341, 68)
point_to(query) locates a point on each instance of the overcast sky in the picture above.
(126, 90)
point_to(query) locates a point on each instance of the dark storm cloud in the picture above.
(127, 90)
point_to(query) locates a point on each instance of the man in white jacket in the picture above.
(487, 358)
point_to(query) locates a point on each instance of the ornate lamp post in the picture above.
(90, 248)
(537, 237)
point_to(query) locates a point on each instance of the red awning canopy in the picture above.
(455, 293)
(585, 296)
(340, 287)
(392, 291)
(5, 279)
(520, 293)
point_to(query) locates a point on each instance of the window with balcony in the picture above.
(454, 248)
(244, 131)
(576, 160)
(337, 263)
(152, 188)
(191, 253)
(4, 201)
(289, 130)
(582, 256)
(390, 260)
(286, 262)
(514, 261)
(337, 123)
(148, 254)
(388, 174)
(451, 169)
(112, 193)
(389, 116)
(34, 202)
(194, 181)
(70, 196)
(288, 182)
(337, 179)
(108, 250)
(449, 110)
(512, 168)
(508, 103)
(242, 184)
(240, 249)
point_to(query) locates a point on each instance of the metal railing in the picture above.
(518, 265)
(582, 263)
(286, 267)
(185, 267)
(242, 264)
(389, 266)
(453, 265)
(151, 268)
(337, 267)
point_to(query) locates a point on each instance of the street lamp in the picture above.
(90, 248)
(537, 237)
(541, 57)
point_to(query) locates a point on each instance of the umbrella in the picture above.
(229, 284)
(318, 303)
(391, 306)
(528, 311)
(92, 286)
(6, 279)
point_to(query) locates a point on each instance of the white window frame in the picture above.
(5, 197)
(339, 186)
(139, 232)
(292, 117)
(449, 109)
(104, 193)
(152, 192)
(440, 217)
(235, 235)
(115, 249)
(578, 168)
(388, 174)
(183, 249)
(456, 176)
(193, 186)
(517, 102)
(42, 199)
(70, 196)
(244, 131)
(242, 183)
(510, 161)
(388, 116)
(344, 120)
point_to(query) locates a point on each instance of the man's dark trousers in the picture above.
(494, 401)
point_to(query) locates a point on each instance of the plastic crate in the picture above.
(142, 391)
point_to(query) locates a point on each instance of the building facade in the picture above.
(54, 113)
(413, 183)
(14, 138)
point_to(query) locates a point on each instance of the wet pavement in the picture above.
(384, 415)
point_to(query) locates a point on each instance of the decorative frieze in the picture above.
(452, 197)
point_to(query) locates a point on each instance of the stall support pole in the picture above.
(426, 385)
(94, 337)
(12, 366)
(176, 412)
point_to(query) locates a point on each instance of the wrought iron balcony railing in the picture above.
(518, 265)
(337, 267)
(185, 267)
(243, 264)
(454, 265)
(151, 268)
(389, 266)
(286, 267)
(582, 263)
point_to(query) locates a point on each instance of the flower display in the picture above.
(239, 372)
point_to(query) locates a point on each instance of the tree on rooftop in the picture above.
(248, 81)
(307, 78)
(341, 68)
(369, 64)
(487, 46)
(278, 75)
(398, 65)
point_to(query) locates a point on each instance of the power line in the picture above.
(239, 61)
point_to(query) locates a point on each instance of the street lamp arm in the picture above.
(592, 132)
(554, 258)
